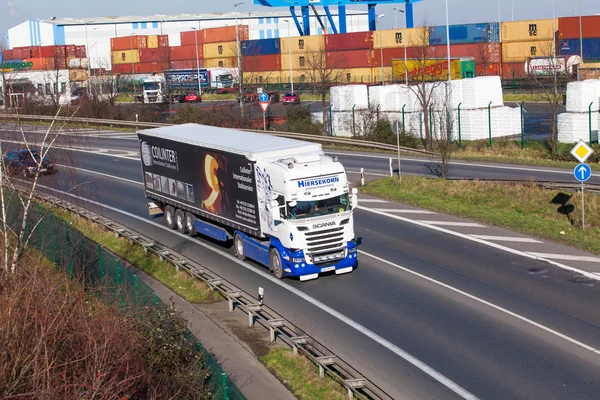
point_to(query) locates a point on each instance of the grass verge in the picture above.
(301, 376)
(527, 97)
(180, 282)
(544, 213)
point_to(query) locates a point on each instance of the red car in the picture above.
(193, 98)
(291, 98)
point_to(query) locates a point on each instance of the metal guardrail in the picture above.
(140, 124)
(258, 313)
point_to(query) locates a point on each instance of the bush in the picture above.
(299, 120)
(382, 132)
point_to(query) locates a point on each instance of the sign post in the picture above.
(263, 98)
(582, 172)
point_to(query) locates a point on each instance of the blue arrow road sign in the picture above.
(582, 172)
(264, 97)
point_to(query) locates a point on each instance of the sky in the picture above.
(13, 12)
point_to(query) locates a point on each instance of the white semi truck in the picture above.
(281, 202)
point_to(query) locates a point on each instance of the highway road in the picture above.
(426, 315)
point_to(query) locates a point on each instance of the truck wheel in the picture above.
(275, 263)
(169, 217)
(190, 224)
(238, 245)
(180, 221)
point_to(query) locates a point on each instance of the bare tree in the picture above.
(485, 54)
(442, 133)
(103, 83)
(56, 82)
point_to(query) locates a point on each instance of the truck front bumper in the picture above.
(295, 265)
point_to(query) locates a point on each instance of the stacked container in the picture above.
(140, 54)
(351, 54)
(395, 44)
(523, 40)
(220, 45)
(301, 53)
(572, 35)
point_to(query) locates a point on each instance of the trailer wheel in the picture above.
(180, 221)
(238, 245)
(275, 263)
(169, 217)
(189, 224)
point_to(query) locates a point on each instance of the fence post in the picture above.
(459, 127)
(101, 264)
(70, 258)
(136, 292)
(330, 120)
(490, 121)
(590, 121)
(522, 127)
(403, 120)
(225, 388)
(353, 121)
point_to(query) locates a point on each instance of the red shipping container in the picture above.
(184, 53)
(37, 63)
(128, 43)
(514, 70)
(190, 38)
(223, 34)
(484, 53)
(271, 62)
(568, 28)
(48, 63)
(149, 67)
(7, 55)
(154, 55)
(52, 51)
(36, 52)
(187, 64)
(71, 50)
(80, 52)
(397, 53)
(351, 59)
(21, 52)
(122, 69)
(163, 40)
(487, 70)
(349, 41)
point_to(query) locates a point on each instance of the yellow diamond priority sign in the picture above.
(582, 151)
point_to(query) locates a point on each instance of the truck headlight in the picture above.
(352, 250)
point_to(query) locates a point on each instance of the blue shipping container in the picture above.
(465, 34)
(260, 47)
(570, 47)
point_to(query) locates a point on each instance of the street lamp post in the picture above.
(580, 34)
(197, 62)
(512, 10)
(448, 42)
(132, 66)
(381, 52)
(87, 48)
(239, 50)
(290, 55)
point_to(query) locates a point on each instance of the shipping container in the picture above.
(163, 40)
(224, 34)
(128, 43)
(301, 61)
(152, 41)
(151, 67)
(488, 70)
(484, 53)
(353, 75)
(52, 51)
(125, 57)
(434, 70)
(513, 70)
(351, 59)
(388, 76)
(80, 52)
(568, 28)
(260, 47)
(228, 62)
(400, 37)
(7, 55)
(21, 52)
(71, 50)
(589, 71)
(390, 54)
(265, 77)
(186, 64)
(302, 44)
(122, 69)
(349, 41)
(271, 62)
(522, 31)
(572, 47)
(34, 64)
(190, 38)
(152, 55)
(220, 50)
(465, 34)
(521, 51)
(178, 53)
(78, 63)
(80, 75)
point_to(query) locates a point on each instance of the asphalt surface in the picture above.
(474, 314)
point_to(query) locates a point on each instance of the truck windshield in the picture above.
(317, 208)
(151, 86)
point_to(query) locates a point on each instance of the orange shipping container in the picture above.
(191, 38)
(163, 40)
(224, 34)
(487, 70)
(568, 28)
(128, 43)
(271, 62)
(483, 53)
(149, 67)
(36, 64)
(513, 70)
(351, 59)
(178, 53)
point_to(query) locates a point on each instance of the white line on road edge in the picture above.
(484, 242)
(487, 303)
(102, 174)
(507, 239)
(402, 210)
(451, 223)
(566, 257)
(460, 391)
(372, 201)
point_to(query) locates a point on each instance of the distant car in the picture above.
(193, 98)
(291, 98)
(21, 162)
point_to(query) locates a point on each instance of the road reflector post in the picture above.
(362, 177)
(391, 167)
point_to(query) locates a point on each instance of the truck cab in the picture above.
(154, 90)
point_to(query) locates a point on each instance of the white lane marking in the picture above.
(450, 223)
(372, 201)
(102, 174)
(524, 168)
(366, 173)
(460, 391)
(403, 211)
(487, 303)
(484, 242)
(507, 239)
(566, 257)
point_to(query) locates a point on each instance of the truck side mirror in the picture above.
(354, 198)
(275, 213)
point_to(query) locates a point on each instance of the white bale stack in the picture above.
(580, 94)
(341, 123)
(343, 98)
(392, 98)
(478, 92)
(574, 125)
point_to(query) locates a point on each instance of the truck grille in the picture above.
(152, 99)
(324, 243)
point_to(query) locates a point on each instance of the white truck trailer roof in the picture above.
(249, 144)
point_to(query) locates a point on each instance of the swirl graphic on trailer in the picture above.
(214, 194)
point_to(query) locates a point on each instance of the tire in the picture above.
(180, 221)
(189, 224)
(275, 263)
(169, 217)
(238, 246)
